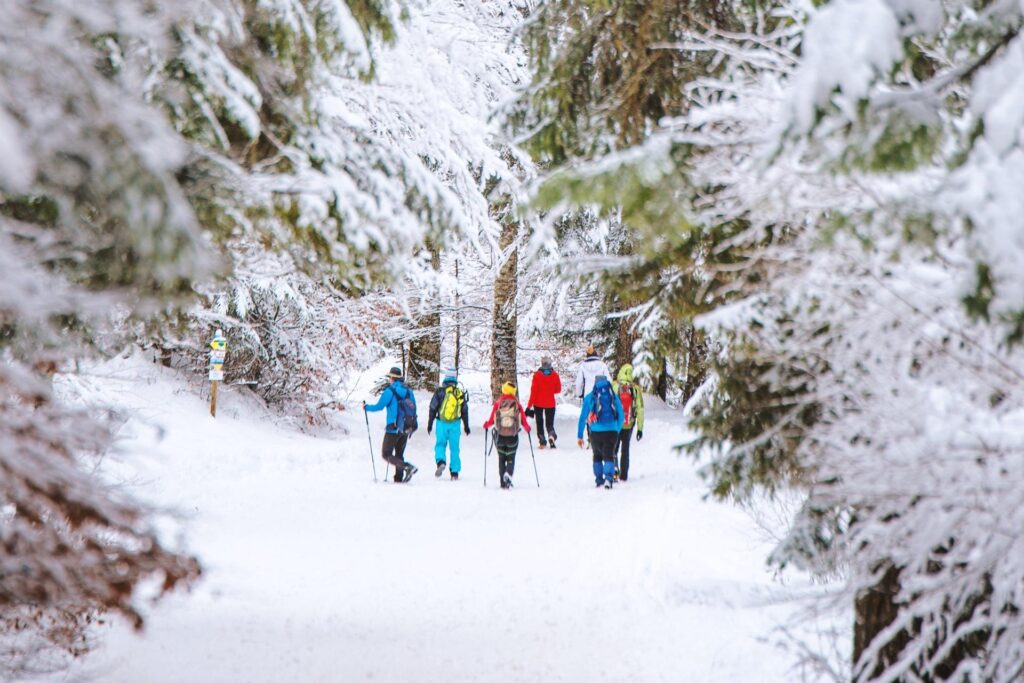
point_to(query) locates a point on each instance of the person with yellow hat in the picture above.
(507, 416)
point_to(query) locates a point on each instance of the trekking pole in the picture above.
(487, 453)
(529, 439)
(486, 432)
(369, 440)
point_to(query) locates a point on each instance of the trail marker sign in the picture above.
(218, 352)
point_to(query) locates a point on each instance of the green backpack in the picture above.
(451, 404)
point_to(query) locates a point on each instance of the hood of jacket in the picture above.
(626, 373)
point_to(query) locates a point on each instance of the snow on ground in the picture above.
(313, 572)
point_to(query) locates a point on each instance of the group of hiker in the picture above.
(611, 411)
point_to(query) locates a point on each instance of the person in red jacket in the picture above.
(506, 416)
(545, 387)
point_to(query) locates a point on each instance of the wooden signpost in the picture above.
(219, 349)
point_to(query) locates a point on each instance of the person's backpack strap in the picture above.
(398, 408)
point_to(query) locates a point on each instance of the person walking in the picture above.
(632, 400)
(507, 416)
(546, 385)
(591, 367)
(602, 412)
(398, 400)
(449, 406)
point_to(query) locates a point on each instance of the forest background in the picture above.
(799, 220)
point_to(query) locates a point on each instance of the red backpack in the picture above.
(626, 396)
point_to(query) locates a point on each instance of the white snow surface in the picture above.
(314, 572)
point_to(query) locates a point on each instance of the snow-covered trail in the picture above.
(316, 573)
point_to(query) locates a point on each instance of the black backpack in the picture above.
(405, 419)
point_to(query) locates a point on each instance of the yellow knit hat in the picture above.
(508, 388)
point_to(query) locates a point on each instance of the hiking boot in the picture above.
(506, 481)
(455, 476)
(440, 468)
(409, 471)
(607, 483)
(542, 446)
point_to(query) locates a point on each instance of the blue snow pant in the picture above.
(448, 435)
(603, 445)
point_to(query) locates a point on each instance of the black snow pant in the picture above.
(393, 451)
(506, 447)
(622, 453)
(603, 446)
(545, 420)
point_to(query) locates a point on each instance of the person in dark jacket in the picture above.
(448, 406)
(545, 387)
(395, 438)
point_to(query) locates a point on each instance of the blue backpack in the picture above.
(405, 419)
(604, 405)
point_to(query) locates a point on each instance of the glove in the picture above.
(579, 442)
(639, 435)
(364, 406)
(467, 431)
(527, 429)
(529, 412)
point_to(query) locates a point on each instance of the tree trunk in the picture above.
(425, 350)
(458, 320)
(874, 609)
(624, 342)
(503, 334)
(626, 335)
(696, 362)
(661, 388)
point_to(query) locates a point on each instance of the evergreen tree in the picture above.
(94, 229)
(607, 75)
(834, 204)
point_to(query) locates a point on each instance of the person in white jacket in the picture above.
(591, 367)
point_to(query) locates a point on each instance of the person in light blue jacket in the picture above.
(602, 412)
(396, 435)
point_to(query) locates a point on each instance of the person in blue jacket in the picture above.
(602, 411)
(395, 436)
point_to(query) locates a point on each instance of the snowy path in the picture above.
(315, 573)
